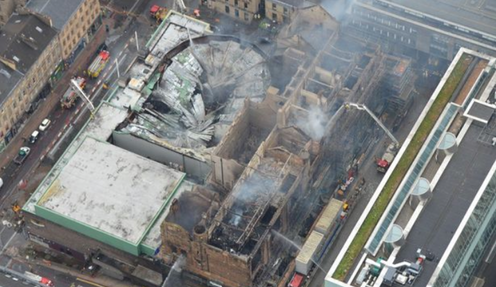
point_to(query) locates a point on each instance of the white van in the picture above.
(1, 182)
(34, 137)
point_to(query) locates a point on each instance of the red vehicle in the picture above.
(98, 64)
(69, 98)
(153, 10)
(387, 158)
(296, 281)
(39, 279)
(158, 13)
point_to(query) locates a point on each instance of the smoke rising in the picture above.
(339, 9)
(174, 276)
(314, 124)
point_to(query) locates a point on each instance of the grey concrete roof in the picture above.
(23, 39)
(486, 269)
(8, 80)
(60, 11)
(452, 196)
(474, 16)
(111, 189)
(481, 111)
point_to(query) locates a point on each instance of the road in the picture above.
(58, 278)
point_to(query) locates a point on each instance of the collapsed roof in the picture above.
(203, 88)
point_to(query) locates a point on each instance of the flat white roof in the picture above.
(104, 122)
(311, 245)
(479, 111)
(328, 216)
(111, 189)
(154, 237)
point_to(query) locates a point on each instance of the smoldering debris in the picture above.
(250, 197)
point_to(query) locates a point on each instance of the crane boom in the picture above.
(83, 95)
(376, 119)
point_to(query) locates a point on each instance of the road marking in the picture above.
(59, 141)
(134, 6)
(8, 242)
(89, 282)
(80, 115)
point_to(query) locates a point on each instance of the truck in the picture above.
(153, 10)
(296, 281)
(98, 64)
(39, 279)
(22, 155)
(158, 12)
(68, 100)
(387, 158)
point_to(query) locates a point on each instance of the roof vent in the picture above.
(29, 41)
(5, 73)
(16, 59)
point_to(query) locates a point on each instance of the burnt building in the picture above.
(216, 158)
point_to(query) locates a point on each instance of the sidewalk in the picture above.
(100, 280)
(52, 100)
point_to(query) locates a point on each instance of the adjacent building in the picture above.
(243, 10)
(75, 21)
(7, 7)
(436, 28)
(37, 43)
(283, 11)
(29, 54)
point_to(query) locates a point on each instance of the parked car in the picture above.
(34, 137)
(44, 124)
(22, 155)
